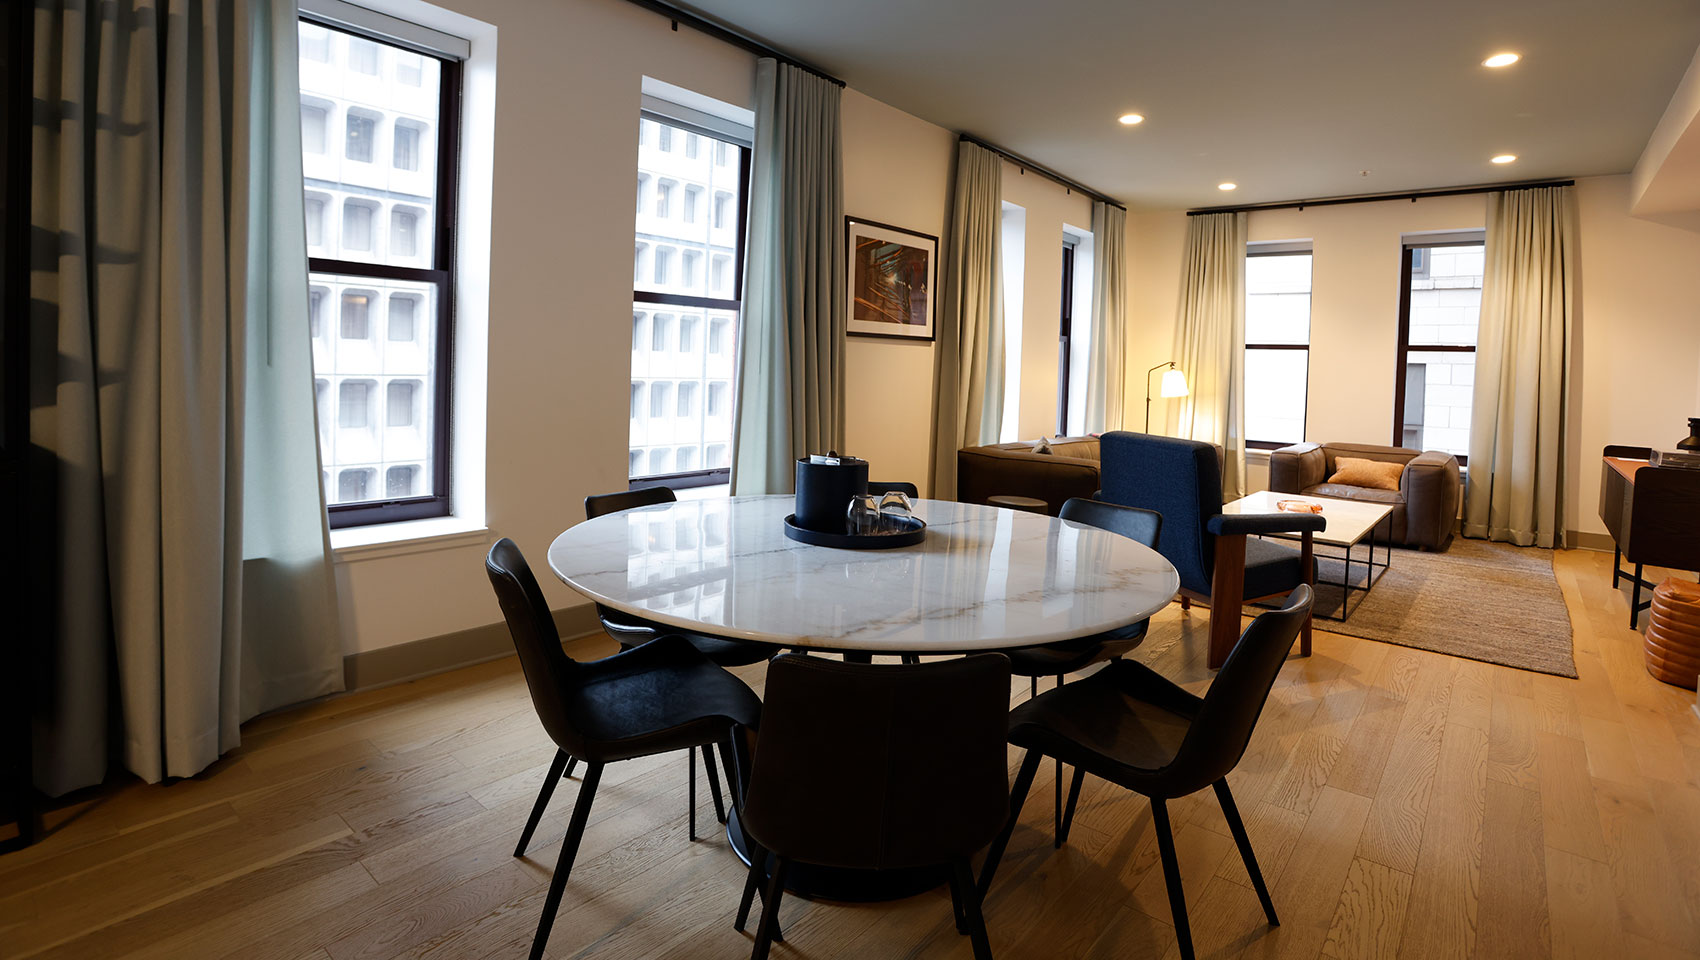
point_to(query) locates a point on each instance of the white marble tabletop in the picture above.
(1349, 521)
(984, 578)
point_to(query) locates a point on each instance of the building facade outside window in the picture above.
(380, 210)
(1440, 307)
(1277, 343)
(688, 300)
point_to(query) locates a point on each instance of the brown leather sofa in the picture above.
(1013, 469)
(1425, 507)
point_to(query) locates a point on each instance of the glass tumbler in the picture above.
(895, 512)
(863, 516)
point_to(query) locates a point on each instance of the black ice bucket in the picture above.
(824, 491)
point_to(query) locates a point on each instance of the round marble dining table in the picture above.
(984, 578)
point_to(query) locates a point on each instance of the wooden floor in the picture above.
(1405, 804)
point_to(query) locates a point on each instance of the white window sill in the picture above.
(1257, 455)
(351, 544)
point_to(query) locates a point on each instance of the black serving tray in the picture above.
(849, 541)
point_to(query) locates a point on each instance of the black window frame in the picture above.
(1402, 345)
(1285, 250)
(1065, 334)
(441, 275)
(717, 475)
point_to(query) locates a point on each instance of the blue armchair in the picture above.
(1182, 480)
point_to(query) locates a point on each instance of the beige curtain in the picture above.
(968, 363)
(1517, 423)
(790, 393)
(1210, 341)
(1106, 361)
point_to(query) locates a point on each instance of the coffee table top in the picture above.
(984, 578)
(1349, 521)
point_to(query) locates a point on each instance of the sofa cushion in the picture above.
(1358, 472)
(1085, 448)
(1343, 491)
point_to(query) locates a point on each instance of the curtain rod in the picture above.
(720, 32)
(1042, 170)
(1412, 195)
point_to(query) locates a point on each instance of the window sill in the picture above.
(352, 544)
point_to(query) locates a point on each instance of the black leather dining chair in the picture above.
(877, 767)
(630, 631)
(655, 698)
(880, 488)
(1059, 659)
(1131, 726)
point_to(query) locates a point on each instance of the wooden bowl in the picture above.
(1298, 506)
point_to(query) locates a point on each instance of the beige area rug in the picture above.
(1481, 600)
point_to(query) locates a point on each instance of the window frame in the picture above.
(1402, 342)
(441, 275)
(1065, 342)
(734, 304)
(1284, 250)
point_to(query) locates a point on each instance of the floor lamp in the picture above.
(1174, 385)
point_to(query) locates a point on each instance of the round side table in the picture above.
(1029, 504)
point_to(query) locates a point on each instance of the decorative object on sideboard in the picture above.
(1673, 633)
(1174, 385)
(1692, 441)
(890, 275)
(1675, 458)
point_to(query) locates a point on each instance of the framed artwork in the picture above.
(891, 276)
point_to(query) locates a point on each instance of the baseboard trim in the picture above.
(385, 666)
(1582, 540)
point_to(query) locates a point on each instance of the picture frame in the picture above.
(891, 276)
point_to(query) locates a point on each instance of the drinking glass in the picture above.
(863, 516)
(895, 512)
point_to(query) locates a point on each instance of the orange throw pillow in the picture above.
(1375, 474)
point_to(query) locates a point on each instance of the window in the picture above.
(405, 153)
(1277, 347)
(357, 225)
(362, 136)
(398, 403)
(637, 330)
(637, 399)
(354, 404)
(315, 43)
(1065, 336)
(315, 120)
(1440, 306)
(693, 231)
(404, 309)
(383, 259)
(316, 312)
(356, 313)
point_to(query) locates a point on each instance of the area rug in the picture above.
(1481, 600)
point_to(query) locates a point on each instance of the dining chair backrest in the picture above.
(882, 487)
(878, 766)
(1180, 479)
(550, 674)
(1145, 526)
(1217, 738)
(598, 504)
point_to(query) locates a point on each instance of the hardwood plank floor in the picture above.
(1402, 803)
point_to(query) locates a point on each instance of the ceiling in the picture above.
(1291, 100)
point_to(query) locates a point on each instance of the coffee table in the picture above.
(1350, 523)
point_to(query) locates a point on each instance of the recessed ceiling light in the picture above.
(1505, 158)
(1129, 119)
(1501, 60)
(1230, 185)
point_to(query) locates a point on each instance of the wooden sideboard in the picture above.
(1653, 514)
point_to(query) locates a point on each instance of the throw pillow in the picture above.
(1043, 445)
(1375, 474)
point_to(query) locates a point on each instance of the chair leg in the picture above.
(757, 873)
(956, 904)
(1231, 813)
(1073, 799)
(1032, 687)
(770, 908)
(554, 774)
(714, 783)
(569, 851)
(571, 763)
(1172, 876)
(691, 793)
(1635, 597)
(1017, 797)
(1057, 802)
(971, 910)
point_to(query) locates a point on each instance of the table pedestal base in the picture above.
(837, 883)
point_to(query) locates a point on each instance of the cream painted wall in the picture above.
(569, 79)
(1637, 342)
(898, 170)
(1048, 206)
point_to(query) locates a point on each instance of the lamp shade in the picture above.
(1174, 384)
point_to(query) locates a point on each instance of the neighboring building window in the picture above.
(638, 317)
(316, 312)
(637, 401)
(695, 259)
(1277, 345)
(1440, 308)
(315, 120)
(379, 256)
